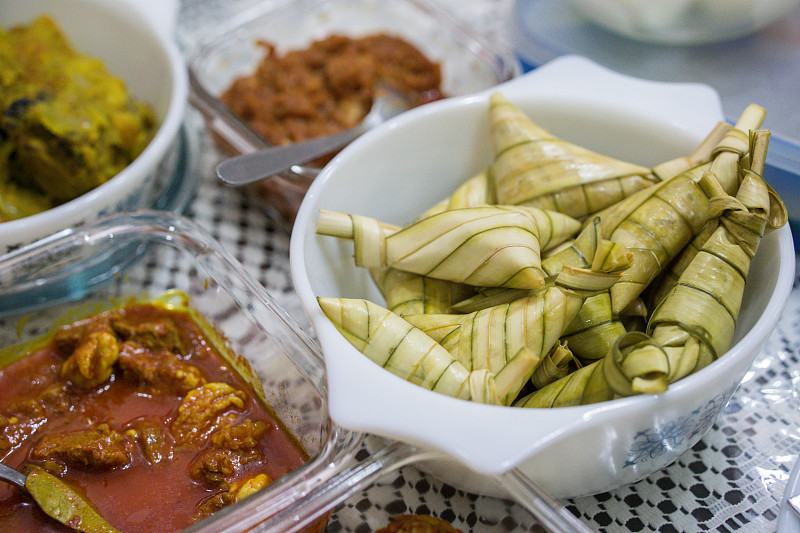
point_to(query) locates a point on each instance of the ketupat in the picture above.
(756, 162)
(616, 375)
(624, 363)
(522, 332)
(694, 324)
(408, 293)
(701, 155)
(512, 130)
(554, 366)
(596, 327)
(534, 167)
(365, 325)
(656, 223)
(404, 292)
(402, 349)
(483, 246)
(518, 333)
(490, 338)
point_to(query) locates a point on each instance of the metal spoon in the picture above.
(57, 499)
(235, 133)
(250, 167)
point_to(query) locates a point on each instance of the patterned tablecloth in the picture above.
(732, 480)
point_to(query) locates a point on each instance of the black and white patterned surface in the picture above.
(732, 480)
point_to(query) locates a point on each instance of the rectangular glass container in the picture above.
(229, 49)
(147, 254)
(225, 50)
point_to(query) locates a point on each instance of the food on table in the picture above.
(579, 319)
(416, 523)
(408, 293)
(711, 287)
(508, 340)
(442, 246)
(713, 282)
(559, 362)
(328, 87)
(596, 327)
(67, 125)
(405, 292)
(323, 89)
(533, 167)
(407, 352)
(533, 321)
(139, 408)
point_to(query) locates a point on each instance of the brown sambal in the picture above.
(328, 87)
(136, 408)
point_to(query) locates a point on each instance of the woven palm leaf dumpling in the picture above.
(513, 292)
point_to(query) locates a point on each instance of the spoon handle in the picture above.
(221, 121)
(12, 476)
(250, 167)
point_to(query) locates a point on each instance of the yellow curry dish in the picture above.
(67, 125)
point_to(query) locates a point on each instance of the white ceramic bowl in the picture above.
(406, 165)
(136, 49)
(684, 22)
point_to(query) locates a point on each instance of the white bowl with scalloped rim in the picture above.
(399, 169)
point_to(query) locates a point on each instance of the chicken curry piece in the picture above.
(137, 409)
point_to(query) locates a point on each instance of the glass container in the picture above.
(171, 253)
(229, 49)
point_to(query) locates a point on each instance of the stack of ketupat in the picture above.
(559, 276)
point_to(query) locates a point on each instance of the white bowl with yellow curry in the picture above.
(93, 96)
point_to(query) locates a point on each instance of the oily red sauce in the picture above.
(328, 87)
(140, 495)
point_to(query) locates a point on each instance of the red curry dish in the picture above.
(137, 409)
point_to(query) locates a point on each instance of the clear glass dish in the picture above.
(175, 254)
(229, 49)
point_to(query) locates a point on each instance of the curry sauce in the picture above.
(137, 409)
